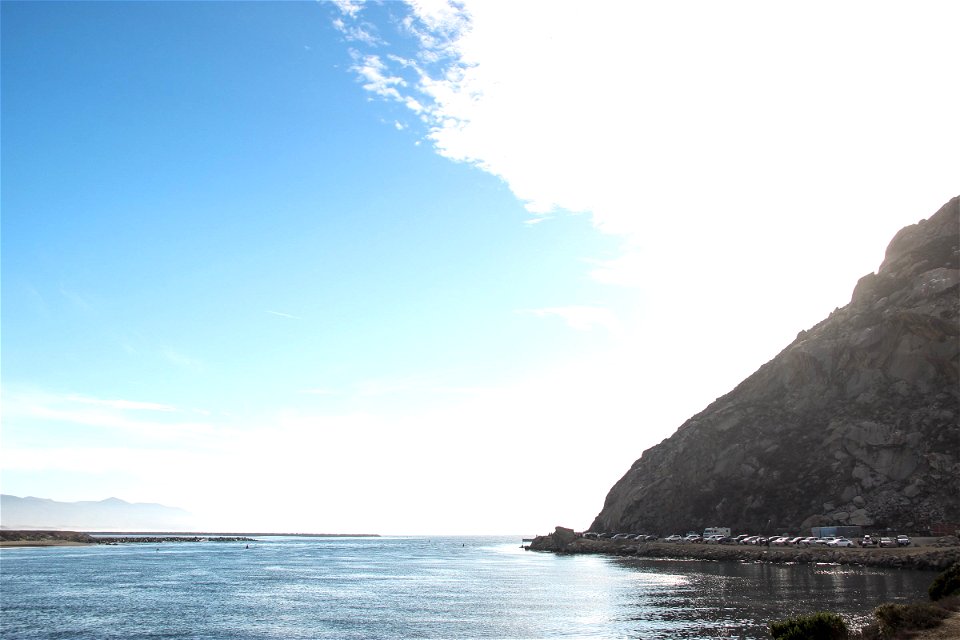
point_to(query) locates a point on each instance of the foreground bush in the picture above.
(946, 584)
(813, 626)
(894, 618)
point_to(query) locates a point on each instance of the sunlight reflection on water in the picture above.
(413, 587)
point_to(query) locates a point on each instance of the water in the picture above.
(412, 588)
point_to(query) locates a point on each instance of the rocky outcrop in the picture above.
(559, 540)
(857, 422)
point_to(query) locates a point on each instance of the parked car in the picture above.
(823, 542)
(903, 541)
(673, 538)
(841, 542)
(796, 540)
(888, 542)
(780, 541)
(808, 541)
(727, 540)
(867, 541)
(748, 539)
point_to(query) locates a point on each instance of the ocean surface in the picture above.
(398, 587)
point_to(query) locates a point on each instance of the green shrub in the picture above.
(946, 584)
(893, 618)
(813, 626)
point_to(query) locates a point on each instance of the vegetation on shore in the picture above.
(30, 538)
(813, 626)
(946, 584)
(894, 621)
(12, 538)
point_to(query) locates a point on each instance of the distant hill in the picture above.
(111, 514)
(857, 422)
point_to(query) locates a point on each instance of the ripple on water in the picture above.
(413, 587)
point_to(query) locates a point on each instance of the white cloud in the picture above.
(745, 121)
(754, 158)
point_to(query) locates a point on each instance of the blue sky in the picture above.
(408, 262)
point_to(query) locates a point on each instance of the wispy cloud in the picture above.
(320, 391)
(630, 269)
(349, 8)
(357, 33)
(377, 78)
(581, 318)
(283, 315)
(125, 418)
(181, 359)
(76, 299)
(387, 387)
(132, 405)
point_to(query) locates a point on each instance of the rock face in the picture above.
(857, 422)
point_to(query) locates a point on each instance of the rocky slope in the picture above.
(856, 422)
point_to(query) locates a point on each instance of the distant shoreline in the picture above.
(53, 538)
(232, 533)
(43, 543)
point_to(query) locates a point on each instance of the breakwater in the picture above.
(163, 539)
(935, 558)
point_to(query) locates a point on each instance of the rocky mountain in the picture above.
(856, 422)
(111, 514)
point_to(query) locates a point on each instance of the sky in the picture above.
(430, 267)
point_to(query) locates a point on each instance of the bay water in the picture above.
(413, 587)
